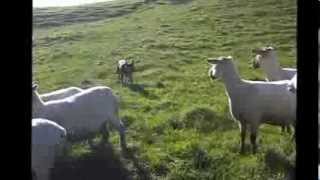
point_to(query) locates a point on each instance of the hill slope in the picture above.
(178, 120)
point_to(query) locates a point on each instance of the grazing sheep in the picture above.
(254, 102)
(125, 71)
(267, 58)
(47, 140)
(60, 94)
(82, 114)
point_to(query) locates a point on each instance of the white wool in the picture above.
(83, 113)
(255, 102)
(47, 139)
(60, 94)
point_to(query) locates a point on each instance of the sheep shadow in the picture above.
(142, 171)
(102, 163)
(140, 88)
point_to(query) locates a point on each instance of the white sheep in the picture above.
(254, 102)
(84, 113)
(60, 94)
(267, 58)
(47, 140)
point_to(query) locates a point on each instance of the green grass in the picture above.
(178, 120)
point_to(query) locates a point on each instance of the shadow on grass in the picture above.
(102, 163)
(142, 170)
(140, 88)
(205, 120)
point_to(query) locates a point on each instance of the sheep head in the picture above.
(256, 62)
(36, 100)
(262, 54)
(34, 86)
(216, 70)
(264, 51)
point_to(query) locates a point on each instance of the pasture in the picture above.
(177, 119)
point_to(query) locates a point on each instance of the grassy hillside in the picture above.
(178, 120)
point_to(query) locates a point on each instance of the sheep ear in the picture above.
(34, 86)
(269, 47)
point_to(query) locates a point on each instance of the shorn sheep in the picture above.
(125, 71)
(267, 58)
(60, 94)
(254, 102)
(48, 139)
(82, 114)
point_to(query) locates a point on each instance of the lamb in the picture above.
(48, 139)
(267, 58)
(125, 71)
(60, 94)
(252, 103)
(82, 114)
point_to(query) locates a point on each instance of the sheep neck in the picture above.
(37, 102)
(271, 67)
(231, 80)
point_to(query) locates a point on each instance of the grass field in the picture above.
(178, 121)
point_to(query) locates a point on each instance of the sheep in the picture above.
(84, 113)
(252, 103)
(48, 139)
(60, 94)
(125, 71)
(267, 58)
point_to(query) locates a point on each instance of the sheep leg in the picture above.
(121, 78)
(126, 79)
(288, 129)
(131, 79)
(122, 136)
(105, 132)
(253, 137)
(243, 136)
(117, 123)
(283, 129)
